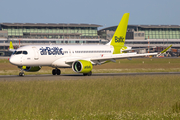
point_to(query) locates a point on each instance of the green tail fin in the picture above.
(119, 36)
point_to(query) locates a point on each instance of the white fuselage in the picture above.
(56, 55)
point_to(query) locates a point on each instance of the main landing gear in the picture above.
(88, 74)
(56, 71)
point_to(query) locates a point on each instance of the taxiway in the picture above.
(78, 76)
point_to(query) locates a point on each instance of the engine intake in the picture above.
(82, 66)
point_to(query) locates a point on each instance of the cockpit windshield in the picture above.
(20, 52)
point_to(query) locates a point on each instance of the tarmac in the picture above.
(77, 76)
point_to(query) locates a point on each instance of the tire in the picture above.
(90, 73)
(58, 72)
(21, 74)
(85, 74)
(54, 71)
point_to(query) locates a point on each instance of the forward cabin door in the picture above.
(70, 52)
(36, 55)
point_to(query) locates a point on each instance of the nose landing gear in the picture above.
(21, 74)
(56, 71)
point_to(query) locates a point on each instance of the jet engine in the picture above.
(82, 66)
(31, 69)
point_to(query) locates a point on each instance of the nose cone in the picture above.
(14, 61)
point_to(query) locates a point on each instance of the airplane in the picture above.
(80, 58)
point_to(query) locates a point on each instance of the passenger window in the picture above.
(25, 52)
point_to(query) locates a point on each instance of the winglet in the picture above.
(164, 50)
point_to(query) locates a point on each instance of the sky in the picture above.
(102, 12)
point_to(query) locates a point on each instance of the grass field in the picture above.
(124, 65)
(125, 97)
(121, 97)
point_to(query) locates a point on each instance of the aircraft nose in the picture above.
(14, 61)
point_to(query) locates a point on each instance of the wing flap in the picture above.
(113, 57)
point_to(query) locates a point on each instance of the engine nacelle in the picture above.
(31, 69)
(82, 66)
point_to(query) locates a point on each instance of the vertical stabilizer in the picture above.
(119, 36)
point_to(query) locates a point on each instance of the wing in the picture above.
(98, 60)
(102, 58)
(113, 57)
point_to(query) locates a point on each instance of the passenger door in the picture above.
(69, 51)
(36, 54)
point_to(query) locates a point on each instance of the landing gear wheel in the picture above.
(54, 71)
(85, 74)
(90, 73)
(21, 74)
(58, 71)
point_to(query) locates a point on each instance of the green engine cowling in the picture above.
(82, 66)
(31, 69)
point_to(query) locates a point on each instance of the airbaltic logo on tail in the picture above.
(51, 51)
(119, 39)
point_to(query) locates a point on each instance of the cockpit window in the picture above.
(18, 52)
(25, 52)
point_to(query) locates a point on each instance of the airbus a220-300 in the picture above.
(80, 58)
